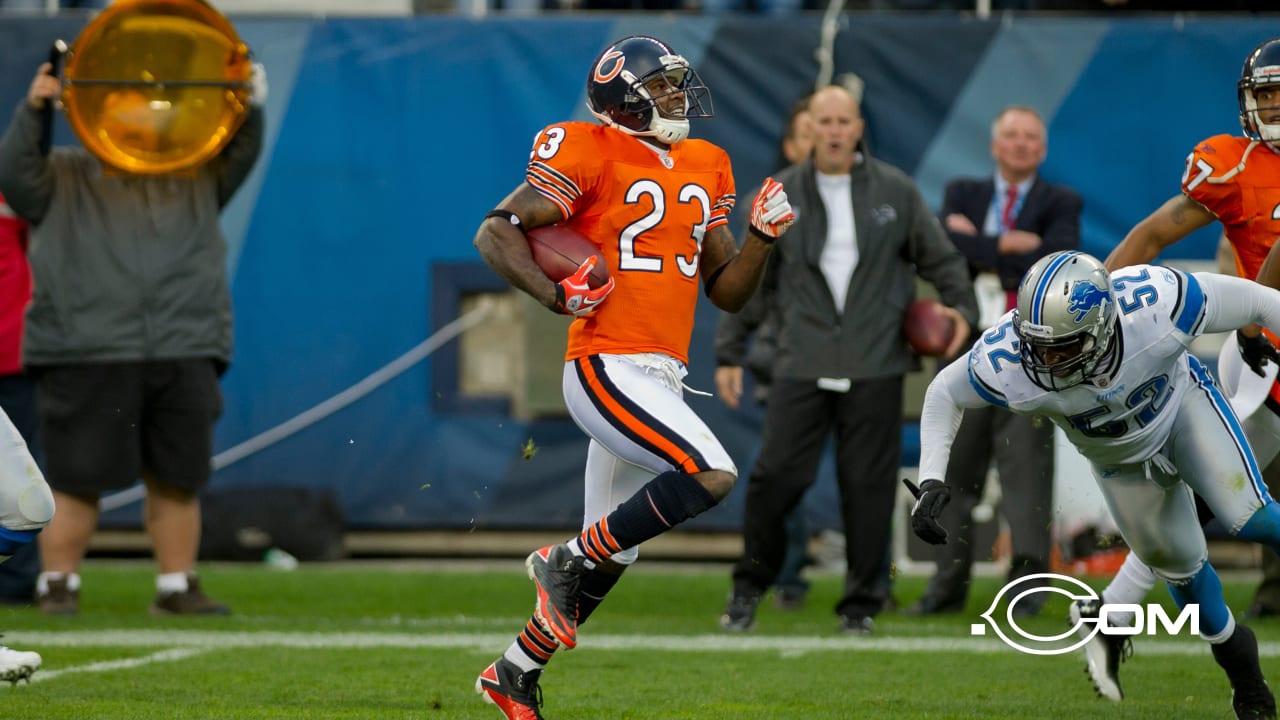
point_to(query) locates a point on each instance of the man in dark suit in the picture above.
(1002, 224)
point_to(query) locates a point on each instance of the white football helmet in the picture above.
(1065, 319)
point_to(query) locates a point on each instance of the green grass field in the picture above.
(376, 641)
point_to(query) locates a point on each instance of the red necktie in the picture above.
(1010, 202)
(1006, 224)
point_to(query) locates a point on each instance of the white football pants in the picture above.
(26, 502)
(1152, 502)
(632, 407)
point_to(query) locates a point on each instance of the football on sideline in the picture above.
(559, 250)
(927, 328)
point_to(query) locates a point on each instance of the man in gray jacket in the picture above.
(128, 329)
(841, 285)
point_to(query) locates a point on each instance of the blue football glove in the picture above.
(931, 497)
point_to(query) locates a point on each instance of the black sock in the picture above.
(595, 586)
(537, 644)
(664, 502)
(1238, 656)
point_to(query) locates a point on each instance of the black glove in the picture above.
(931, 497)
(1256, 351)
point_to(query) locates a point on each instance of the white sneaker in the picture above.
(1103, 653)
(17, 665)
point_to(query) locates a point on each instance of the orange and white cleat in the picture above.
(515, 693)
(557, 573)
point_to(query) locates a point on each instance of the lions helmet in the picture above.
(1065, 318)
(629, 84)
(1262, 67)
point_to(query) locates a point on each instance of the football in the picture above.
(559, 250)
(927, 328)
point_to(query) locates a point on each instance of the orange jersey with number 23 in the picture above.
(648, 210)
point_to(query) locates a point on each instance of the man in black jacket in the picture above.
(756, 324)
(841, 285)
(1003, 224)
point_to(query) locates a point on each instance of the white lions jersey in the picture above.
(1124, 412)
(1149, 419)
(1114, 418)
(1117, 417)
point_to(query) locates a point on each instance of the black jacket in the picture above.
(898, 238)
(1050, 211)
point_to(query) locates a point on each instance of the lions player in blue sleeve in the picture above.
(26, 506)
(1105, 358)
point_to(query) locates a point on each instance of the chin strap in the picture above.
(670, 136)
(1237, 169)
(668, 131)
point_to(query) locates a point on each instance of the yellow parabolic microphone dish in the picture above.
(157, 86)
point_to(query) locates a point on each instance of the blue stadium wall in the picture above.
(388, 140)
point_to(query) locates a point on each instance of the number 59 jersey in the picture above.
(1125, 411)
(648, 210)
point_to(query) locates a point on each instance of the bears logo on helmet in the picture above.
(618, 89)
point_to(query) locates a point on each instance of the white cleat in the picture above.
(17, 665)
(1103, 653)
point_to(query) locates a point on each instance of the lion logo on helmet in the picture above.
(1085, 296)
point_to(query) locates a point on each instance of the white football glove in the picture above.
(771, 214)
(258, 85)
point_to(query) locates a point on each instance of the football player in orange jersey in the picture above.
(1235, 181)
(657, 203)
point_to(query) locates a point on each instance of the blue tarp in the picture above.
(390, 138)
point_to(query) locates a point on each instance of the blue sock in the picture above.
(1264, 527)
(11, 540)
(1205, 589)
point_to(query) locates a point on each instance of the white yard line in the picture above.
(189, 640)
(109, 665)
